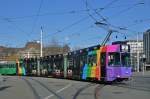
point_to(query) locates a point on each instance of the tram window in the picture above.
(125, 58)
(114, 59)
(83, 60)
(77, 61)
(46, 64)
(58, 64)
(92, 59)
(33, 65)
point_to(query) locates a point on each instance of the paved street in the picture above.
(14, 87)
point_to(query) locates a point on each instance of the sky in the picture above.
(71, 22)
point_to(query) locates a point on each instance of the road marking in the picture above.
(58, 91)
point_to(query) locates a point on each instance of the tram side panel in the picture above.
(76, 63)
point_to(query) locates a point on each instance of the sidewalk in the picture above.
(145, 73)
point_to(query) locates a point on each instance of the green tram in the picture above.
(8, 68)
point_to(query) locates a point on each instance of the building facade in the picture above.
(146, 39)
(31, 50)
(137, 54)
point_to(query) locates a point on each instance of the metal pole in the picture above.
(137, 53)
(143, 67)
(65, 66)
(41, 54)
(38, 67)
(131, 59)
(143, 62)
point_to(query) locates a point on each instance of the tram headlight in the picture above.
(127, 72)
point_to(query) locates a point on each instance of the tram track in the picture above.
(97, 91)
(134, 84)
(46, 87)
(36, 95)
(78, 92)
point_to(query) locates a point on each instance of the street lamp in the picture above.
(41, 43)
(143, 57)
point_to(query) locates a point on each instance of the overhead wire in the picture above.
(49, 13)
(74, 12)
(76, 33)
(86, 4)
(77, 22)
(87, 9)
(137, 22)
(125, 10)
(109, 4)
(67, 12)
(36, 18)
(15, 26)
(97, 12)
(103, 19)
(105, 7)
(67, 27)
(122, 11)
(89, 39)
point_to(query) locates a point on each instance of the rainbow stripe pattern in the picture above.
(92, 70)
(21, 69)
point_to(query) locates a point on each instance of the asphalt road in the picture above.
(14, 87)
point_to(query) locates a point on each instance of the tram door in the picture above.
(83, 62)
(103, 66)
(70, 65)
(76, 68)
(50, 65)
(58, 65)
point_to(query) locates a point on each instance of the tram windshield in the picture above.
(114, 59)
(125, 58)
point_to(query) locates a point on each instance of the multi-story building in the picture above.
(146, 39)
(31, 49)
(137, 54)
